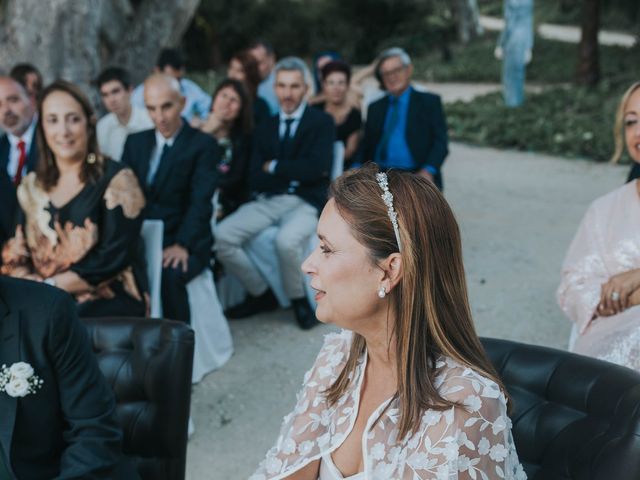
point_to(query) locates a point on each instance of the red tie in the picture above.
(21, 161)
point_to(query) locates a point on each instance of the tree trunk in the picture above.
(588, 72)
(74, 39)
(467, 17)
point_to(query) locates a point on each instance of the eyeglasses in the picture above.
(392, 72)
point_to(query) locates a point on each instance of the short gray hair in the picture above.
(394, 52)
(294, 64)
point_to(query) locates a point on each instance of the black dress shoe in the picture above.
(304, 313)
(253, 305)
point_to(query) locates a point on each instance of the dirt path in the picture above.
(517, 212)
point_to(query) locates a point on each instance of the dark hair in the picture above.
(170, 57)
(244, 123)
(20, 71)
(47, 171)
(336, 66)
(251, 72)
(430, 303)
(111, 74)
(264, 44)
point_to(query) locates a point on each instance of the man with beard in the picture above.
(18, 149)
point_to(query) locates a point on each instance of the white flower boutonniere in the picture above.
(19, 380)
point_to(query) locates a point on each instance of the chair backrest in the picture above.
(574, 417)
(337, 167)
(148, 363)
(152, 234)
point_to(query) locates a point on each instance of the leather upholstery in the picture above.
(574, 417)
(147, 363)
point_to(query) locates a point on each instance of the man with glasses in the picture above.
(406, 129)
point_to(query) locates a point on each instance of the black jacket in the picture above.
(309, 163)
(183, 186)
(426, 132)
(8, 201)
(634, 172)
(67, 429)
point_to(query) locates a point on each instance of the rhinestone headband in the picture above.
(387, 197)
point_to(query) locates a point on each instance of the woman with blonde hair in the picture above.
(619, 134)
(405, 389)
(600, 286)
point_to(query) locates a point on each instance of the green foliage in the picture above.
(563, 121)
(358, 29)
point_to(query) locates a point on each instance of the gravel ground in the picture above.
(517, 212)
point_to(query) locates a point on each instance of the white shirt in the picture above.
(154, 161)
(112, 134)
(267, 92)
(14, 152)
(296, 116)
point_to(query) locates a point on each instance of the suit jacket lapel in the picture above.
(412, 120)
(4, 153)
(9, 354)
(147, 146)
(172, 155)
(32, 156)
(302, 126)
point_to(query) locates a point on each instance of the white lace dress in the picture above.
(606, 243)
(471, 442)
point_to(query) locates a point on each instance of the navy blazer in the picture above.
(311, 157)
(8, 190)
(67, 428)
(183, 186)
(426, 132)
(634, 172)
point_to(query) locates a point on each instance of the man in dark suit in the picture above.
(176, 164)
(18, 150)
(66, 428)
(289, 177)
(405, 129)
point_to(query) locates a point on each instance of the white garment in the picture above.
(329, 471)
(112, 134)
(606, 243)
(473, 441)
(14, 152)
(296, 116)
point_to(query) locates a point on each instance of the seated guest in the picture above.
(600, 286)
(264, 54)
(405, 129)
(30, 78)
(618, 134)
(230, 124)
(289, 177)
(18, 148)
(320, 59)
(123, 118)
(197, 103)
(335, 86)
(65, 426)
(80, 213)
(244, 67)
(405, 391)
(176, 164)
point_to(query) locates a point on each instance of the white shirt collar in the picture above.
(297, 113)
(27, 136)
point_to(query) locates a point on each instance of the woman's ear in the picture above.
(392, 268)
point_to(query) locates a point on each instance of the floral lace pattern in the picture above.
(469, 442)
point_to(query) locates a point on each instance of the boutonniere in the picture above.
(19, 380)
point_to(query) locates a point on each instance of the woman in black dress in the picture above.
(80, 214)
(230, 123)
(336, 76)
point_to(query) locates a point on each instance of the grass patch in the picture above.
(564, 121)
(553, 62)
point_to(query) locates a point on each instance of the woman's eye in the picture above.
(324, 249)
(629, 122)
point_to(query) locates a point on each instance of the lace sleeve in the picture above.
(307, 429)
(583, 273)
(469, 442)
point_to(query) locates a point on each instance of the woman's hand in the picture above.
(616, 293)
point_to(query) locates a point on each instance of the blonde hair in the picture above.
(432, 316)
(618, 129)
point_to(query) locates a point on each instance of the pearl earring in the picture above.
(381, 292)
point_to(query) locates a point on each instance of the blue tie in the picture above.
(153, 167)
(394, 116)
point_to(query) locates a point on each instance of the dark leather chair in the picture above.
(148, 364)
(574, 417)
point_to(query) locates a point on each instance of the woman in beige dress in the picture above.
(600, 286)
